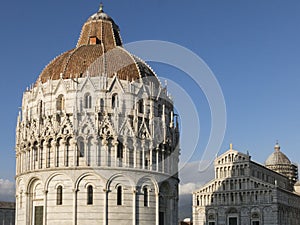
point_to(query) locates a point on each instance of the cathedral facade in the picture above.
(244, 192)
(97, 138)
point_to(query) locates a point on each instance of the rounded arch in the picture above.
(68, 138)
(31, 183)
(116, 176)
(232, 210)
(59, 137)
(19, 181)
(53, 176)
(49, 140)
(60, 102)
(82, 176)
(59, 184)
(142, 182)
(114, 100)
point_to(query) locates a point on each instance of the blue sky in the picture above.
(252, 47)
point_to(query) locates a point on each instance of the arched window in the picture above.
(59, 195)
(146, 196)
(35, 149)
(81, 147)
(87, 101)
(90, 195)
(101, 104)
(60, 103)
(41, 154)
(115, 101)
(49, 154)
(120, 150)
(141, 106)
(119, 195)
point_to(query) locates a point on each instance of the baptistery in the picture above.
(97, 139)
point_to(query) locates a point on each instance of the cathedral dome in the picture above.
(98, 52)
(277, 158)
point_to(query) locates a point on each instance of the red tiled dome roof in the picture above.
(99, 51)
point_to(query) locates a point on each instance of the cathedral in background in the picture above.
(97, 138)
(245, 192)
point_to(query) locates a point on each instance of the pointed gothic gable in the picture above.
(60, 87)
(39, 92)
(88, 84)
(87, 126)
(115, 85)
(66, 127)
(143, 132)
(143, 92)
(48, 128)
(126, 129)
(106, 129)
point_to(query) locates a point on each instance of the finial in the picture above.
(101, 8)
(231, 146)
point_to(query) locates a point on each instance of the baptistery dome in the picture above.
(97, 138)
(99, 44)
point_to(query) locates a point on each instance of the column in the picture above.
(65, 153)
(134, 207)
(28, 160)
(86, 153)
(163, 161)
(17, 163)
(27, 208)
(45, 207)
(143, 154)
(75, 206)
(75, 156)
(157, 159)
(32, 160)
(157, 207)
(134, 153)
(41, 155)
(151, 157)
(105, 199)
(96, 143)
(125, 152)
(38, 149)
